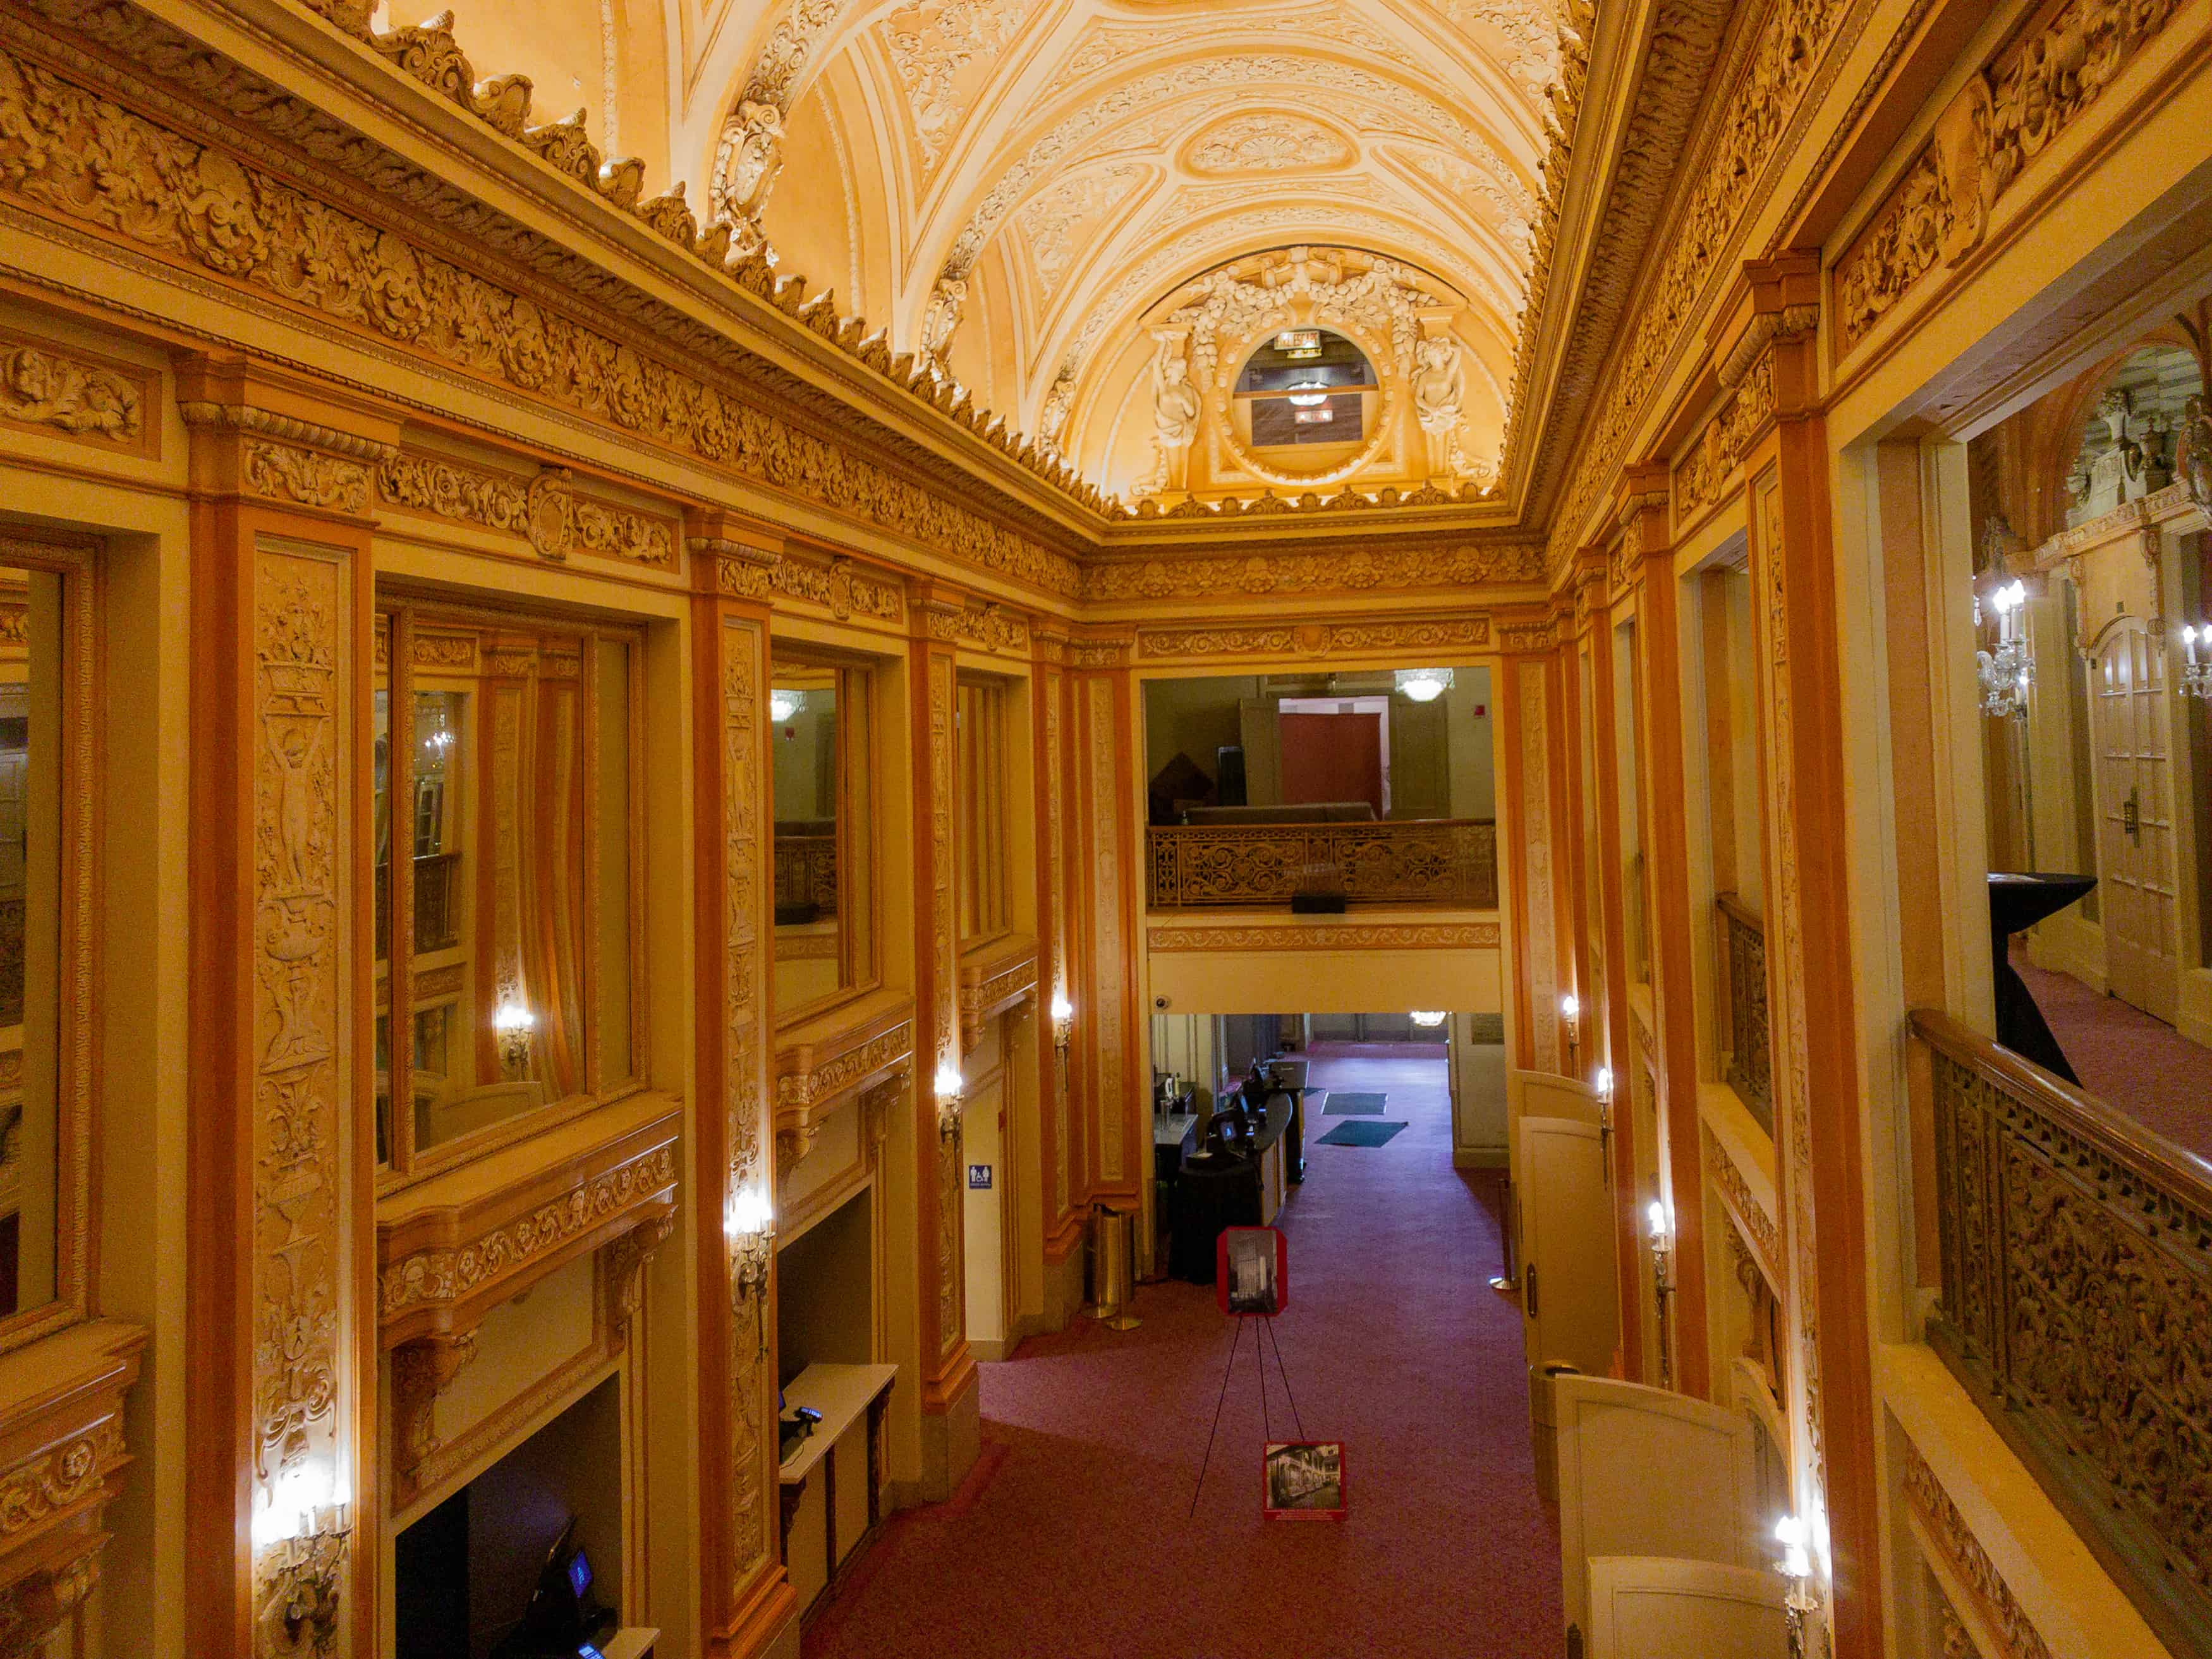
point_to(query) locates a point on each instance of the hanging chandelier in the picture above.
(2007, 672)
(1425, 684)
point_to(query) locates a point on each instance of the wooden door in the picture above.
(2134, 820)
(1647, 1606)
(1330, 758)
(1643, 1471)
(1570, 1295)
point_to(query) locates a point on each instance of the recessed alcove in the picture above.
(465, 1571)
(825, 1302)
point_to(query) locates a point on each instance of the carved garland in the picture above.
(1230, 574)
(1947, 1530)
(545, 509)
(1447, 936)
(1314, 638)
(77, 396)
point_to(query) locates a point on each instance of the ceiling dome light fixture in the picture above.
(1428, 1018)
(782, 704)
(1309, 395)
(1425, 684)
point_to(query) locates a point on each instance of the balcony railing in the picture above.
(1743, 940)
(1430, 861)
(2077, 1305)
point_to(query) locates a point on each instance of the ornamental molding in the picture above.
(842, 587)
(87, 398)
(303, 477)
(1350, 936)
(213, 208)
(1761, 98)
(245, 418)
(545, 508)
(1702, 475)
(1314, 639)
(459, 1249)
(811, 1078)
(993, 979)
(1994, 130)
(991, 627)
(1248, 573)
(1753, 1219)
(1985, 1592)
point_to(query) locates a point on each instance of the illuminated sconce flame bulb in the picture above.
(1792, 1533)
(1605, 1082)
(1658, 1215)
(948, 1081)
(750, 1214)
(1062, 1009)
(513, 1017)
(1569, 1006)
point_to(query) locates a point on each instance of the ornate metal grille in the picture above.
(1431, 861)
(806, 871)
(2077, 1306)
(1743, 964)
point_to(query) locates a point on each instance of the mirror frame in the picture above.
(75, 560)
(856, 685)
(399, 609)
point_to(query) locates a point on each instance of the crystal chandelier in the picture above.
(2007, 672)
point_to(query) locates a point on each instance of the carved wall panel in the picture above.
(1539, 915)
(79, 395)
(1103, 815)
(1952, 1541)
(1416, 862)
(1344, 936)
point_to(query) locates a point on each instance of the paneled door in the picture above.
(2134, 820)
(1570, 1289)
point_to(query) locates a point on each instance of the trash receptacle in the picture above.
(1113, 1265)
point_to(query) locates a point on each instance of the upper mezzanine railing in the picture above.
(2077, 1304)
(1444, 863)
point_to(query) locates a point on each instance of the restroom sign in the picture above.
(978, 1177)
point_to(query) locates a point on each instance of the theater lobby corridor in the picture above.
(1075, 1534)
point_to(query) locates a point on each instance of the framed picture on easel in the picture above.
(1303, 1480)
(1252, 1272)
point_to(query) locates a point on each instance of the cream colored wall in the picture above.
(810, 217)
(1317, 979)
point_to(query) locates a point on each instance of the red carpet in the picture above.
(1079, 1542)
(2133, 1063)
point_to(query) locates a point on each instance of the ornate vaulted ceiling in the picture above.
(1015, 187)
(1044, 201)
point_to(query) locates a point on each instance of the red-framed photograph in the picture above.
(1252, 1270)
(1303, 1480)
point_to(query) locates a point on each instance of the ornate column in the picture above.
(280, 1403)
(1063, 1218)
(1607, 1006)
(746, 1595)
(1767, 353)
(1110, 1037)
(1645, 515)
(952, 1426)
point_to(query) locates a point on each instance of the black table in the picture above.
(1214, 1190)
(2018, 902)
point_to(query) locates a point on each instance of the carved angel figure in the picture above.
(1175, 410)
(1051, 420)
(2193, 454)
(1439, 395)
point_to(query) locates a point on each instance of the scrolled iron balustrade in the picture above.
(2077, 1264)
(1430, 861)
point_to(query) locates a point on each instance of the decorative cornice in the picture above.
(1315, 639)
(284, 428)
(811, 1077)
(993, 978)
(1259, 572)
(1349, 936)
(545, 509)
(841, 587)
(992, 628)
(1752, 1217)
(459, 1244)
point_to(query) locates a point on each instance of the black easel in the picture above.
(1260, 1347)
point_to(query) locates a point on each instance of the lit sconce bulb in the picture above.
(1791, 1533)
(1657, 1214)
(513, 1017)
(948, 1081)
(1062, 1009)
(511, 1024)
(1605, 1082)
(748, 1213)
(1569, 1006)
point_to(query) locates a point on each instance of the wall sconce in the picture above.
(748, 1224)
(948, 1102)
(2007, 672)
(1063, 1023)
(1797, 1566)
(1662, 1287)
(304, 1533)
(1571, 1017)
(511, 1027)
(1605, 1121)
(2196, 677)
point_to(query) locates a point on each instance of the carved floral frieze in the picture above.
(1945, 1530)
(989, 628)
(993, 980)
(1349, 936)
(1258, 573)
(1994, 128)
(545, 509)
(1757, 1222)
(816, 1074)
(842, 587)
(44, 385)
(1315, 639)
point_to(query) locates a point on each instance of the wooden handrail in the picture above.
(1735, 911)
(2145, 1153)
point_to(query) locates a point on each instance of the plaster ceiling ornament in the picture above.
(1267, 143)
(1439, 397)
(1355, 291)
(1060, 222)
(1175, 410)
(939, 321)
(943, 52)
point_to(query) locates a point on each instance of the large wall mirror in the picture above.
(45, 889)
(508, 877)
(818, 716)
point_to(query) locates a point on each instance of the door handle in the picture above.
(2131, 815)
(1529, 1278)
